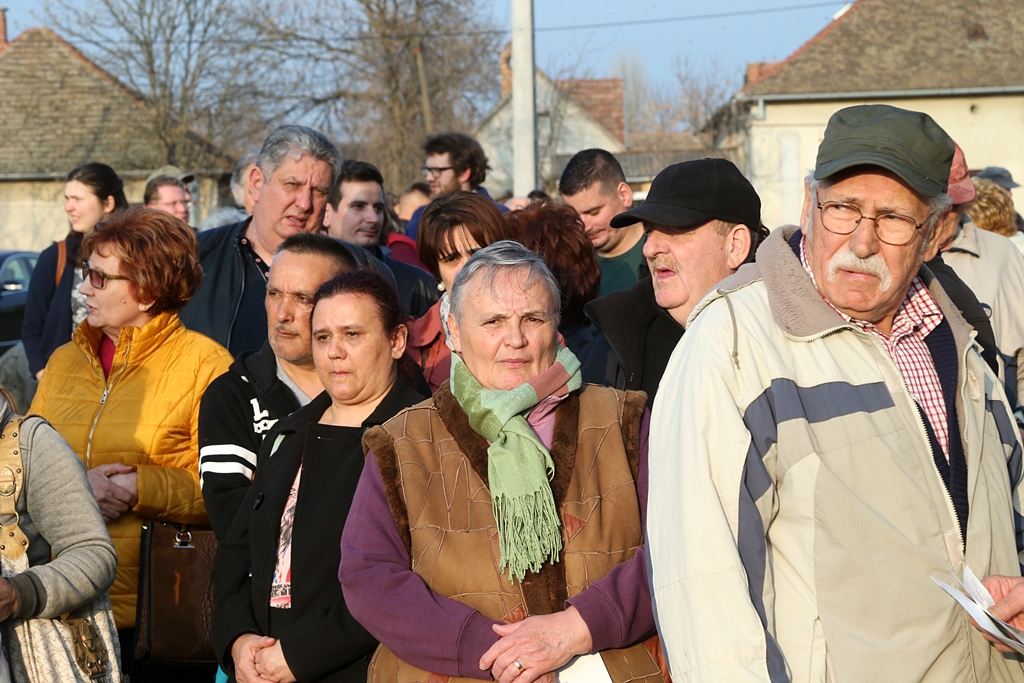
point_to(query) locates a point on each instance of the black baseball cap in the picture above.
(692, 193)
(907, 143)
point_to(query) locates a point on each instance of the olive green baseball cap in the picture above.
(907, 143)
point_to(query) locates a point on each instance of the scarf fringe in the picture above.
(529, 532)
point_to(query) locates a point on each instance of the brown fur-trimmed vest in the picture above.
(434, 470)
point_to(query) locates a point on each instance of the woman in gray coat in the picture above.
(60, 517)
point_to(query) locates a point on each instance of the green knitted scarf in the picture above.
(519, 467)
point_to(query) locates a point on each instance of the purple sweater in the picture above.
(441, 635)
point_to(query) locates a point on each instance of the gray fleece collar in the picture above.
(797, 307)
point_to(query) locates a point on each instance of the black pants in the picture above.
(144, 672)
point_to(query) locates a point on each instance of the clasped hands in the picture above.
(259, 659)
(115, 487)
(539, 645)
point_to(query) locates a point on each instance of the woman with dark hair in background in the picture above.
(268, 622)
(55, 307)
(452, 229)
(556, 233)
(125, 392)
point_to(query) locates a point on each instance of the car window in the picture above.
(18, 272)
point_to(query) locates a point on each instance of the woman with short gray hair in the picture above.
(518, 490)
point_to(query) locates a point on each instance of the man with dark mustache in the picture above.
(241, 406)
(702, 221)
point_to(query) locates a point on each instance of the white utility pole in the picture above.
(524, 100)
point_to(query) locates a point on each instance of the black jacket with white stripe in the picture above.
(238, 409)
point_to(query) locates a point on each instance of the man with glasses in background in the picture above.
(827, 438)
(455, 161)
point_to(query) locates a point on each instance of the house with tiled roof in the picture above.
(59, 110)
(961, 62)
(577, 114)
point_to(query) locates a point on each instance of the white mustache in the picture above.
(845, 259)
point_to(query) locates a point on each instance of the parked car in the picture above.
(15, 273)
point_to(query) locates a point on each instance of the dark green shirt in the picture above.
(620, 272)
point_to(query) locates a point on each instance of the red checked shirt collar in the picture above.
(915, 319)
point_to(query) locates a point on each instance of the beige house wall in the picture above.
(32, 212)
(782, 146)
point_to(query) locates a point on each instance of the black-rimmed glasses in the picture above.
(97, 278)
(435, 171)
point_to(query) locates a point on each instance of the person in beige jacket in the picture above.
(827, 439)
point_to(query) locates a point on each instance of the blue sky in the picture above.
(743, 31)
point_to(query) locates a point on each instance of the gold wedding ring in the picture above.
(517, 665)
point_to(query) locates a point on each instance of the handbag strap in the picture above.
(13, 542)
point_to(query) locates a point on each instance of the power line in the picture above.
(553, 29)
(609, 24)
(691, 17)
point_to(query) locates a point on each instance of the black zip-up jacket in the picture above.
(636, 340)
(238, 409)
(322, 642)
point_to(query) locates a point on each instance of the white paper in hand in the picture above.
(584, 669)
(981, 616)
(976, 589)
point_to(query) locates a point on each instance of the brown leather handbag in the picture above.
(172, 623)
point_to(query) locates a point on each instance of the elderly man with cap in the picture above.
(702, 221)
(828, 438)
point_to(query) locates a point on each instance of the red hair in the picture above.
(159, 255)
(556, 233)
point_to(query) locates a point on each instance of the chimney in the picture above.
(506, 70)
(3, 27)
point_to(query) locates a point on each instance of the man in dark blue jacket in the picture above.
(290, 183)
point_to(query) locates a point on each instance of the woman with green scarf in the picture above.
(497, 529)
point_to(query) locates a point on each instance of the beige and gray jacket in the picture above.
(796, 515)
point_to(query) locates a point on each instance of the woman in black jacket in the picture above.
(55, 307)
(278, 610)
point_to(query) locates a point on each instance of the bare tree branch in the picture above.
(361, 84)
(185, 58)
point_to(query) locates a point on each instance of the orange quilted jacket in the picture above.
(145, 414)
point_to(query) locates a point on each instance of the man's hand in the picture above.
(113, 500)
(539, 644)
(8, 600)
(1008, 592)
(270, 664)
(243, 653)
